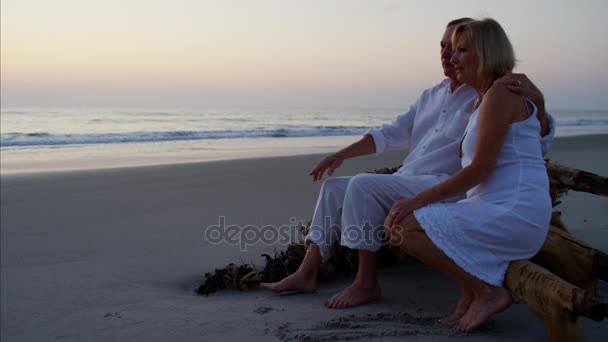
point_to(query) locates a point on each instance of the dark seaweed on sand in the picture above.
(342, 264)
(223, 278)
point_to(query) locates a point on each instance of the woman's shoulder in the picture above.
(499, 97)
(499, 92)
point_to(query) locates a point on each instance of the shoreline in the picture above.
(132, 156)
(117, 156)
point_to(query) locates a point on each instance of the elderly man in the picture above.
(354, 208)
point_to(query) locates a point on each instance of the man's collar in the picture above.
(448, 82)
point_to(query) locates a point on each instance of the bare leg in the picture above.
(304, 280)
(464, 302)
(365, 287)
(488, 300)
(416, 243)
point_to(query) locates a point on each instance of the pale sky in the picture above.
(350, 53)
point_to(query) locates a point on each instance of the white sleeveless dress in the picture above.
(506, 217)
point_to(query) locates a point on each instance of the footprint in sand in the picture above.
(363, 327)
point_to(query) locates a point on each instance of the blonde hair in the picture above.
(491, 45)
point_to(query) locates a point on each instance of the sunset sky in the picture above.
(280, 53)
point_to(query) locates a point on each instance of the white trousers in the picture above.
(353, 209)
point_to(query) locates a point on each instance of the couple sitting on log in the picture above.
(472, 194)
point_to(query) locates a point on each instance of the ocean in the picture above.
(39, 138)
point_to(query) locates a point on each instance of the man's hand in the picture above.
(329, 163)
(521, 84)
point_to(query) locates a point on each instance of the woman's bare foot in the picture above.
(484, 305)
(300, 282)
(354, 295)
(466, 298)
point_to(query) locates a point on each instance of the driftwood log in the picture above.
(567, 178)
(558, 284)
(555, 301)
(572, 260)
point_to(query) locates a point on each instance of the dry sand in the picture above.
(116, 255)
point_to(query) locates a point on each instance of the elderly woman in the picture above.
(506, 213)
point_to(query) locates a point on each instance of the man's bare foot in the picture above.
(466, 298)
(483, 307)
(354, 295)
(300, 282)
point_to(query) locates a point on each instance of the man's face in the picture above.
(446, 52)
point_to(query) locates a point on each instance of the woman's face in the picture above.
(465, 61)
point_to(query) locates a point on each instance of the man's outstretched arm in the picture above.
(330, 163)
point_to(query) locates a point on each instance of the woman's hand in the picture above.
(399, 211)
(329, 163)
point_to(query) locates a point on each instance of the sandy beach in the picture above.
(116, 254)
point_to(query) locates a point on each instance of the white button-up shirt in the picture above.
(432, 128)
